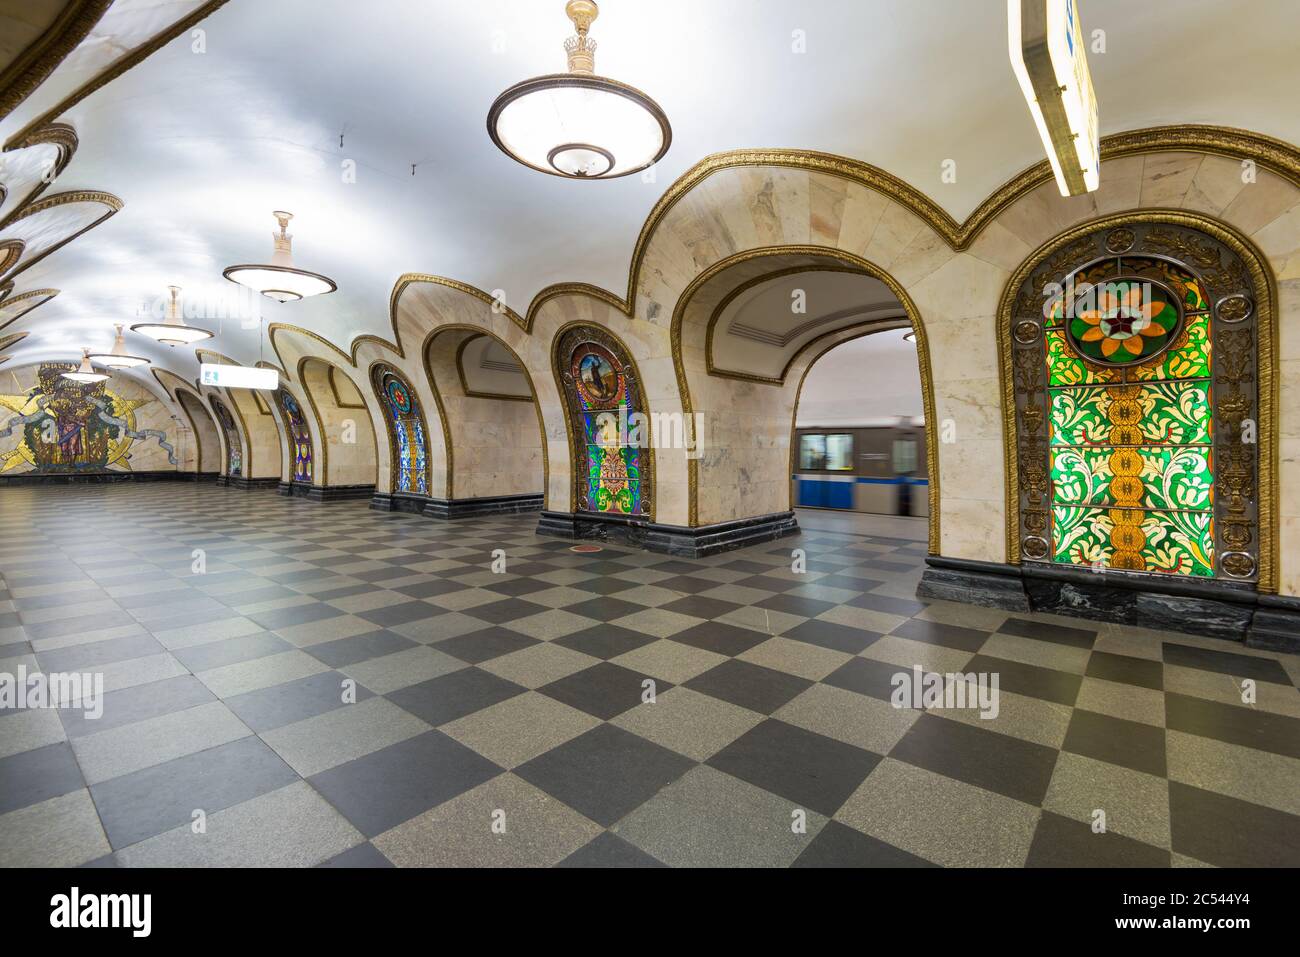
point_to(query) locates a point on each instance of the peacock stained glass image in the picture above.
(1130, 419)
(603, 403)
(299, 436)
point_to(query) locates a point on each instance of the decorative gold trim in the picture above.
(334, 388)
(48, 294)
(867, 268)
(1266, 303)
(33, 65)
(64, 138)
(115, 69)
(442, 411)
(63, 199)
(757, 281)
(569, 428)
(473, 394)
(11, 250)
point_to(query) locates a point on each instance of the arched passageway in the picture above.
(492, 429)
(344, 449)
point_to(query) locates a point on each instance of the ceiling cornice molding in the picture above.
(121, 65)
(1272, 154)
(33, 66)
(111, 203)
(64, 138)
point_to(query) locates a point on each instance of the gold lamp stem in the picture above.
(581, 49)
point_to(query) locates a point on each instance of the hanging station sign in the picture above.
(238, 377)
(1048, 56)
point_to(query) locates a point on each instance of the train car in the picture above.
(879, 469)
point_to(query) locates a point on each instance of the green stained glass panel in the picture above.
(1173, 477)
(1189, 358)
(1175, 413)
(1177, 543)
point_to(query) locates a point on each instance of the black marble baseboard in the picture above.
(398, 502)
(102, 478)
(680, 540)
(1230, 610)
(451, 508)
(324, 494)
(245, 484)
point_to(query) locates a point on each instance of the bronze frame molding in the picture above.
(1265, 289)
(34, 65)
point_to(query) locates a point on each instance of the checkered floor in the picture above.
(619, 708)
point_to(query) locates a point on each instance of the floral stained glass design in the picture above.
(406, 432)
(1127, 348)
(299, 436)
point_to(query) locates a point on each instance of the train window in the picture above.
(904, 456)
(812, 451)
(839, 452)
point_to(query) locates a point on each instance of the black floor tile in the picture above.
(1225, 662)
(506, 610)
(1126, 669)
(887, 604)
(144, 803)
(98, 653)
(794, 605)
(363, 855)
(1226, 832)
(937, 633)
(218, 654)
(400, 614)
(604, 690)
(700, 607)
(605, 641)
(602, 609)
(1057, 634)
(348, 651)
(610, 850)
(1129, 744)
(720, 638)
(1236, 724)
(1030, 680)
(30, 777)
(866, 676)
(269, 708)
(454, 695)
(837, 845)
(996, 762)
(810, 769)
(605, 773)
(485, 644)
(297, 615)
(137, 703)
(1064, 842)
(386, 787)
(750, 686)
(438, 587)
(827, 634)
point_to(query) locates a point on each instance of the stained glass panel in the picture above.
(406, 432)
(299, 436)
(1130, 419)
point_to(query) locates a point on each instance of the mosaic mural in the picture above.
(602, 393)
(64, 427)
(406, 431)
(1126, 410)
(299, 435)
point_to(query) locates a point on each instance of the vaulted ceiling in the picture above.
(202, 139)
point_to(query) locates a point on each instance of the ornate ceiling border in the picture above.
(64, 138)
(111, 202)
(118, 67)
(33, 66)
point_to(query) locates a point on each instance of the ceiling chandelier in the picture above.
(172, 330)
(85, 372)
(577, 124)
(280, 279)
(118, 359)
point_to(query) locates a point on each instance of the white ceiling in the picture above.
(873, 380)
(201, 147)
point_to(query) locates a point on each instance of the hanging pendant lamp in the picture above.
(280, 279)
(118, 358)
(172, 330)
(577, 124)
(85, 373)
